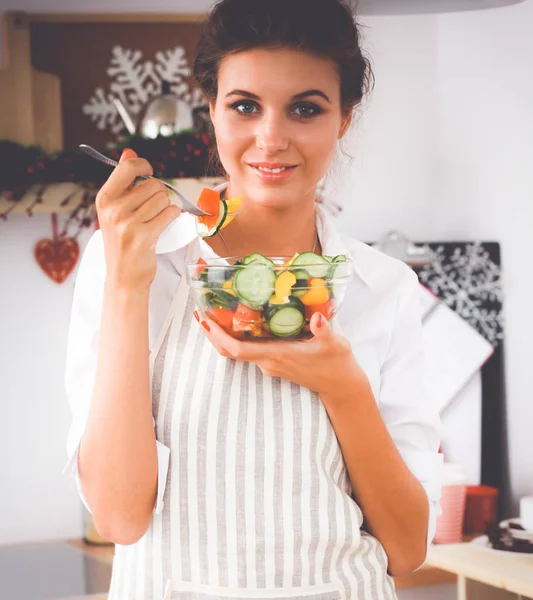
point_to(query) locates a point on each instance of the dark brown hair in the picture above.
(326, 28)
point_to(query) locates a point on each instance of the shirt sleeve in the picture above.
(413, 423)
(81, 360)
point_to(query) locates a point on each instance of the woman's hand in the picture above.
(131, 220)
(322, 363)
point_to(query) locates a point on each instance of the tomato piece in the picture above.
(202, 266)
(246, 319)
(327, 309)
(222, 316)
(210, 202)
(247, 314)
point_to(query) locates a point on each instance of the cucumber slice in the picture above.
(300, 288)
(254, 285)
(316, 265)
(271, 308)
(286, 320)
(300, 274)
(219, 299)
(258, 258)
(339, 268)
(225, 300)
(339, 271)
(302, 282)
(203, 231)
(336, 268)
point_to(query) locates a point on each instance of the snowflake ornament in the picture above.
(468, 281)
(136, 82)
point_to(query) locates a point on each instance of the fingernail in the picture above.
(128, 153)
(196, 316)
(206, 326)
(319, 321)
(123, 155)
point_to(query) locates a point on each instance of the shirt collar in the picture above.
(181, 232)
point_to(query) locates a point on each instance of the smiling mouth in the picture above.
(272, 170)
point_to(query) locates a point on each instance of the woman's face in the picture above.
(277, 109)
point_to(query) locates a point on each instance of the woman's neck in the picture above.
(272, 232)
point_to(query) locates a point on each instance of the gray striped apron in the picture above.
(257, 501)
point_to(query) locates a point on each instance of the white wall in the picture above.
(485, 180)
(445, 152)
(460, 167)
(442, 152)
(390, 178)
(37, 502)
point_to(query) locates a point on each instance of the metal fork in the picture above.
(186, 205)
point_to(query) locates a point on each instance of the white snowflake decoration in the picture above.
(136, 82)
(468, 281)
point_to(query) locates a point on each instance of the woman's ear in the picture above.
(345, 124)
(212, 109)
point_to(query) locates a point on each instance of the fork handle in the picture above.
(186, 204)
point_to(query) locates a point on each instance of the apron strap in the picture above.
(191, 250)
(189, 254)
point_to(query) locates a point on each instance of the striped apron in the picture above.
(258, 498)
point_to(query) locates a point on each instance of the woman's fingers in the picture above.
(248, 351)
(151, 207)
(131, 220)
(159, 223)
(123, 177)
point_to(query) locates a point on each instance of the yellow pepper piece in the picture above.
(316, 295)
(289, 263)
(233, 205)
(283, 286)
(228, 287)
(275, 300)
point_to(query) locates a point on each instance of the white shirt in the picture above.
(381, 317)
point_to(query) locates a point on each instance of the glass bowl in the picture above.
(270, 298)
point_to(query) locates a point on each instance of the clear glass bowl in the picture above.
(268, 302)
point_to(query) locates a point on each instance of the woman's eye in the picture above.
(302, 110)
(307, 110)
(244, 107)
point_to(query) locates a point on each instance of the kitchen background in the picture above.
(443, 151)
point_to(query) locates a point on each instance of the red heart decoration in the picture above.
(57, 257)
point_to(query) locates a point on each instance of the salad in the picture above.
(260, 298)
(222, 212)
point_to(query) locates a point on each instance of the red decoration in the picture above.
(58, 256)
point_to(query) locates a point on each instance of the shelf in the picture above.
(426, 576)
(507, 571)
(55, 193)
(103, 554)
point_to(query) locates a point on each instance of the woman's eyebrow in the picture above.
(299, 96)
(311, 93)
(243, 93)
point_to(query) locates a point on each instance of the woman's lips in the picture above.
(273, 174)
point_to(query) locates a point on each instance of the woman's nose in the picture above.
(272, 134)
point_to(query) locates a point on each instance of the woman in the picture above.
(231, 469)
